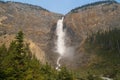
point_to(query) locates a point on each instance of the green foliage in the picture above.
(19, 42)
(106, 46)
(64, 74)
(108, 40)
(17, 63)
(93, 77)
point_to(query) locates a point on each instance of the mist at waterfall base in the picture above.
(61, 48)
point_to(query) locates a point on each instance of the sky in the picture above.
(58, 6)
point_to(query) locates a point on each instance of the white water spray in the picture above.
(60, 45)
(58, 63)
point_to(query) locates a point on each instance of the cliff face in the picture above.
(86, 20)
(34, 21)
(92, 18)
(39, 26)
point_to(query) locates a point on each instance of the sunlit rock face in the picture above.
(34, 21)
(83, 21)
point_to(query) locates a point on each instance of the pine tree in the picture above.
(19, 42)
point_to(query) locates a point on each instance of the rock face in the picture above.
(89, 19)
(39, 26)
(34, 21)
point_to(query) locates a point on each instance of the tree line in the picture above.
(17, 63)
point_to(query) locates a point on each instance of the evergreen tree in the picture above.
(16, 63)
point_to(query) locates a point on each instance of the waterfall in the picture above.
(60, 44)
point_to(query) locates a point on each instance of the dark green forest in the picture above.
(106, 46)
(17, 62)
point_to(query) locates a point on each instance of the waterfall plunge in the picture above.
(60, 45)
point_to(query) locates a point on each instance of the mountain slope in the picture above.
(34, 21)
(39, 27)
(87, 20)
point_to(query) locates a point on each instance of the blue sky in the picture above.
(58, 6)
